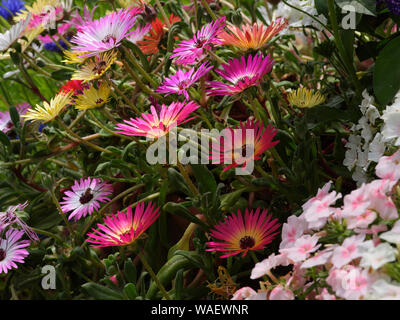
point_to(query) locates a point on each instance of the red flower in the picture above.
(73, 85)
(151, 42)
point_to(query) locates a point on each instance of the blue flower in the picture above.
(393, 6)
(51, 46)
(10, 8)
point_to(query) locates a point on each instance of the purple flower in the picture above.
(181, 81)
(85, 197)
(241, 75)
(9, 218)
(194, 50)
(393, 6)
(11, 250)
(105, 33)
(139, 33)
(5, 118)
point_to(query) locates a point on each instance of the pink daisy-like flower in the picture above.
(48, 42)
(105, 33)
(5, 119)
(155, 126)
(236, 150)
(124, 228)
(9, 218)
(84, 197)
(139, 33)
(181, 81)
(194, 50)
(241, 75)
(238, 234)
(11, 250)
(78, 21)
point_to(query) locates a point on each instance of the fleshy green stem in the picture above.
(77, 138)
(208, 9)
(153, 276)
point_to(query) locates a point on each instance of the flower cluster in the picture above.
(346, 252)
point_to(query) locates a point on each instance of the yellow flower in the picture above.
(37, 8)
(93, 98)
(51, 110)
(95, 68)
(305, 98)
(73, 57)
(128, 3)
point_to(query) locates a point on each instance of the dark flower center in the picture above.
(100, 66)
(247, 242)
(86, 197)
(100, 100)
(182, 85)
(200, 42)
(108, 38)
(2, 254)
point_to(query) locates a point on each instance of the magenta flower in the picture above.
(241, 75)
(231, 149)
(238, 234)
(123, 229)
(181, 81)
(5, 119)
(139, 33)
(9, 218)
(105, 33)
(85, 197)
(154, 125)
(11, 250)
(194, 50)
(78, 21)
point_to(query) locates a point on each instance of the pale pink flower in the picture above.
(325, 295)
(361, 221)
(281, 293)
(244, 293)
(380, 202)
(302, 248)
(317, 210)
(348, 251)
(351, 283)
(291, 231)
(298, 278)
(322, 193)
(320, 258)
(356, 202)
(261, 268)
(389, 167)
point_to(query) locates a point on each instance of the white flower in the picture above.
(377, 256)
(384, 290)
(376, 148)
(391, 129)
(297, 18)
(392, 236)
(261, 268)
(13, 34)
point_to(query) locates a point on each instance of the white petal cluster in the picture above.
(298, 18)
(13, 34)
(365, 144)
